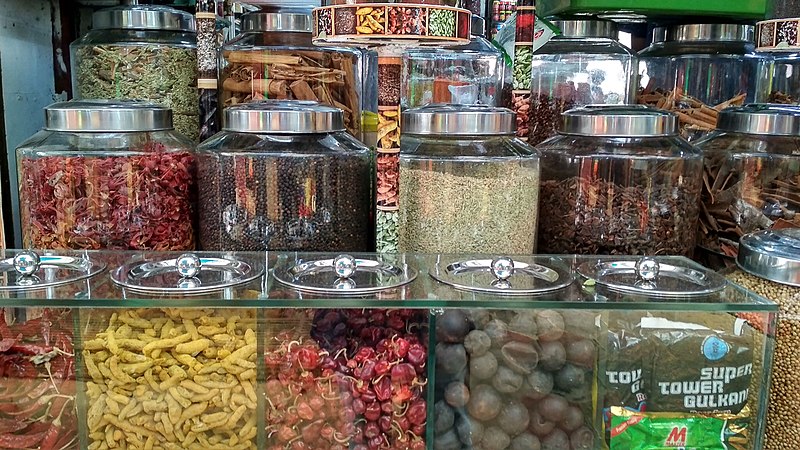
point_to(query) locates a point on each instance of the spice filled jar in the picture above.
(141, 52)
(751, 175)
(284, 175)
(619, 180)
(769, 265)
(274, 58)
(779, 47)
(585, 65)
(467, 185)
(107, 175)
(697, 71)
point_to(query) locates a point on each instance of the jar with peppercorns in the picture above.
(584, 65)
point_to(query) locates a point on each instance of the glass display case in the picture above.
(275, 350)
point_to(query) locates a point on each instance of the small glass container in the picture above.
(466, 74)
(284, 175)
(274, 58)
(466, 184)
(107, 175)
(752, 175)
(585, 65)
(141, 52)
(619, 180)
(698, 70)
(779, 48)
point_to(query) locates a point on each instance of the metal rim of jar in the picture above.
(586, 28)
(772, 255)
(619, 121)
(761, 119)
(143, 17)
(458, 120)
(716, 32)
(283, 117)
(287, 21)
(101, 116)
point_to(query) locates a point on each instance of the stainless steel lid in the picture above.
(27, 270)
(652, 277)
(503, 275)
(283, 116)
(143, 17)
(288, 21)
(107, 116)
(772, 254)
(586, 28)
(345, 274)
(619, 121)
(716, 32)
(659, 35)
(460, 120)
(768, 119)
(187, 274)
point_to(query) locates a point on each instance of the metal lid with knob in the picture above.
(101, 116)
(188, 274)
(619, 121)
(30, 270)
(586, 28)
(283, 117)
(659, 278)
(458, 120)
(762, 119)
(504, 275)
(143, 17)
(344, 274)
(771, 254)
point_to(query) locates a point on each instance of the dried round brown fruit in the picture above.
(550, 324)
(452, 326)
(581, 353)
(520, 357)
(447, 441)
(552, 355)
(582, 439)
(482, 367)
(572, 420)
(523, 327)
(513, 418)
(470, 431)
(477, 343)
(495, 439)
(553, 408)
(538, 384)
(480, 317)
(525, 441)
(484, 403)
(445, 417)
(497, 331)
(456, 394)
(570, 377)
(556, 440)
(540, 426)
(450, 358)
(506, 380)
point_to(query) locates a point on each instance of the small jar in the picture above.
(752, 175)
(697, 71)
(585, 65)
(107, 175)
(619, 180)
(466, 184)
(141, 52)
(769, 265)
(779, 48)
(274, 58)
(284, 175)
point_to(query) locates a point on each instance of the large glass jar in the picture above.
(466, 184)
(141, 52)
(274, 58)
(284, 175)
(751, 176)
(585, 65)
(107, 175)
(619, 180)
(697, 71)
(466, 74)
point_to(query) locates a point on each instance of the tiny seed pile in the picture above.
(783, 414)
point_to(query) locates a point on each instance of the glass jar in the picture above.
(585, 65)
(466, 184)
(779, 48)
(769, 265)
(752, 175)
(619, 180)
(274, 58)
(466, 74)
(107, 175)
(141, 52)
(284, 175)
(697, 71)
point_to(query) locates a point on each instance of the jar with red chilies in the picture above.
(107, 175)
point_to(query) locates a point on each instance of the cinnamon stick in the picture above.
(250, 57)
(302, 91)
(267, 86)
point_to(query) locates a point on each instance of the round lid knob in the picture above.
(647, 269)
(344, 266)
(502, 268)
(188, 265)
(26, 263)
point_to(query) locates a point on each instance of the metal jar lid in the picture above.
(659, 35)
(619, 121)
(344, 274)
(586, 28)
(283, 117)
(660, 278)
(107, 116)
(504, 275)
(459, 120)
(143, 17)
(28, 270)
(286, 21)
(766, 119)
(188, 274)
(715, 32)
(771, 254)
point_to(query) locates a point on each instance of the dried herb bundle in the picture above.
(695, 116)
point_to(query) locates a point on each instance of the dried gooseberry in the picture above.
(452, 326)
(477, 343)
(450, 358)
(506, 380)
(538, 384)
(495, 438)
(581, 352)
(582, 439)
(553, 408)
(525, 441)
(573, 419)
(520, 357)
(550, 324)
(552, 355)
(484, 403)
(479, 317)
(513, 418)
(447, 441)
(540, 426)
(556, 440)
(482, 367)
(470, 431)
(522, 327)
(570, 377)
(456, 394)
(444, 417)
(497, 331)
